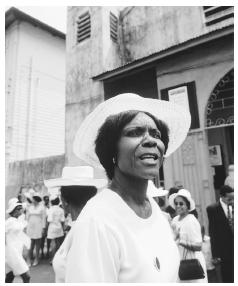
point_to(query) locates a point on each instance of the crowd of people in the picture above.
(122, 229)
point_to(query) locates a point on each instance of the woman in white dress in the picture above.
(55, 220)
(121, 235)
(15, 242)
(77, 185)
(187, 230)
(36, 225)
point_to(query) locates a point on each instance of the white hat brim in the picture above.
(60, 182)
(12, 207)
(174, 196)
(175, 116)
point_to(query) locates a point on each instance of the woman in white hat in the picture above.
(77, 185)
(187, 229)
(121, 235)
(15, 241)
(35, 217)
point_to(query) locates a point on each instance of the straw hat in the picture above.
(183, 193)
(155, 192)
(175, 116)
(76, 176)
(12, 204)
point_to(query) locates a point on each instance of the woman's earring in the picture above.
(114, 161)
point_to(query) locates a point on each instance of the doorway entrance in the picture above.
(220, 129)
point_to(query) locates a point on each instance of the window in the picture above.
(83, 27)
(216, 14)
(113, 27)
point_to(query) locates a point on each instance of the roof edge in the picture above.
(14, 14)
(213, 35)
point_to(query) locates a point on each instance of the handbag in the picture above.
(190, 269)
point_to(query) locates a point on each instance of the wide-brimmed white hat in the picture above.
(155, 192)
(175, 116)
(76, 176)
(184, 193)
(12, 204)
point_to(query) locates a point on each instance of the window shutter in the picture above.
(83, 27)
(216, 14)
(113, 27)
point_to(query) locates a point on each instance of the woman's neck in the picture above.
(131, 189)
(75, 211)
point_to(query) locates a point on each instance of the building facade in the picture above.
(35, 102)
(35, 88)
(181, 54)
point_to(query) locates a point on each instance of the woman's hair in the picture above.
(110, 133)
(186, 201)
(55, 201)
(77, 195)
(37, 199)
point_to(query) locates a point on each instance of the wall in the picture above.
(37, 85)
(149, 29)
(33, 172)
(84, 60)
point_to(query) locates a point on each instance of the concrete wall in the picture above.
(35, 79)
(84, 60)
(150, 29)
(30, 173)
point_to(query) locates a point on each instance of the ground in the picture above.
(42, 273)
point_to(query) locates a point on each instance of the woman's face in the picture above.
(140, 149)
(181, 206)
(17, 212)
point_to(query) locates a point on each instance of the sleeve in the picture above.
(93, 255)
(62, 217)
(212, 229)
(49, 215)
(190, 232)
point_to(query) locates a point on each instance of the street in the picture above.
(42, 273)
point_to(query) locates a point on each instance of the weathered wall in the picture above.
(85, 60)
(149, 29)
(32, 172)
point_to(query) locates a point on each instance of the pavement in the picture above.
(42, 273)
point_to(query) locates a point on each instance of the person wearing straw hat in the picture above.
(187, 229)
(121, 234)
(15, 241)
(76, 186)
(35, 216)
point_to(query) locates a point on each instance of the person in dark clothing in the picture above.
(220, 218)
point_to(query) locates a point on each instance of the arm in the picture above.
(191, 236)
(93, 255)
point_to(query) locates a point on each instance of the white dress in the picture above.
(189, 231)
(55, 217)
(36, 221)
(15, 241)
(110, 243)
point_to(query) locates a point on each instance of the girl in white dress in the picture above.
(15, 241)
(36, 225)
(187, 230)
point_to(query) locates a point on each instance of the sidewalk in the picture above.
(42, 273)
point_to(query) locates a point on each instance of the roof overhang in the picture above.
(148, 60)
(14, 14)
